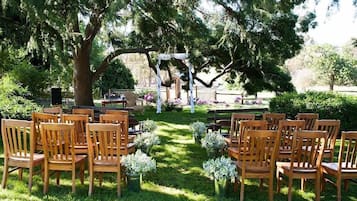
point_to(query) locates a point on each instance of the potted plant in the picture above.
(136, 165)
(198, 130)
(146, 141)
(220, 170)
(148, 125)
(214, 144)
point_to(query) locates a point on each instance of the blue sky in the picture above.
(338, 28)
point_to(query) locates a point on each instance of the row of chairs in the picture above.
(64, 146)
(259, 152)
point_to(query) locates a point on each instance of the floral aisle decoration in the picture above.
(148, 125)
(214, 144)
(136, 165)
(220, 170)
(145, 141)
(198, 130)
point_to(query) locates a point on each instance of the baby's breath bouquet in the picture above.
(198, 130)
(214, 144)
(221, 168)
(138, 163)
(146, 141)
(148, 125)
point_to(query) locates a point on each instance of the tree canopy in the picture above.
(247, 40)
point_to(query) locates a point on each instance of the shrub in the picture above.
(13, 103)
(327, 104)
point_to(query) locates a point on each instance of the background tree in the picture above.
(250, 40)
(117, 76)
(328, 64)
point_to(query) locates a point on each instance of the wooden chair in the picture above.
(286, 130)
(346, 167)
(104, 152)
(58, 144)
(273, 119)
(234, 128)
(38, 118)
(80, 140)
(305, 160)
(257, 158)
(19, 140)
(85, 111)
(332, 127)
(244, 126)
(309, 118)
(126, 147)
(52, 110)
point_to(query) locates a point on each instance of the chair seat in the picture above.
(334, 167)
(254, 168)
(106, 162)
(286, 167)
(36, 157)
(77, 158)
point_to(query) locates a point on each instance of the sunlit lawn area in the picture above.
(179, 174)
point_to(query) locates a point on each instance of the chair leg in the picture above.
(30, 177)
(118, 185)
(5, 174)
(345, 182)
(317, 188)
(20, 173)
(235, 187)
(261, 182)
(58, 175)
(91, 182)
(46, 180)
(74, 180)
(271, 193)
(303, 184)
(338, 186)
(290, 186)
(242, 189)
(81, 174)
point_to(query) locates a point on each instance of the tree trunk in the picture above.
(332, 82)
(82, 77)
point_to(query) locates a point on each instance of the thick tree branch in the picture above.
(105, 63)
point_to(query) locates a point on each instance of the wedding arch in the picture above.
(165, 57)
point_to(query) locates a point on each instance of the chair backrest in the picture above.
(38, 118)
(332, 127)
(347, 157)
(52, 110)
(273, 119)
(235, 119)
(18, 137)
(246, 125)
(120, 112)
(123, 120)
(103, 145)
(58, 143)
(286, 130)
(130, 98)
(259, 149)
(79, 122)
(309, 118)
(85, 111)
(307, 149)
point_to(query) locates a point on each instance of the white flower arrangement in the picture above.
(198, 129)
(138, 163)
(146, 140)
(148, 125)
(213, 140)
(220, 168)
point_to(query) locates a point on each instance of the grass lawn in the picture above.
(179, 174)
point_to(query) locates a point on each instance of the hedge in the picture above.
(327, 104)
